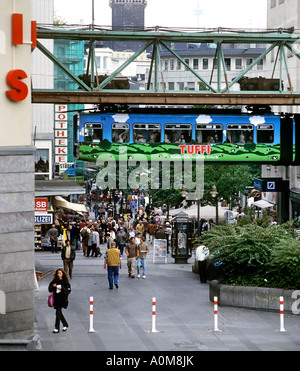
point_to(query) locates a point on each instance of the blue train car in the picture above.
(218, 136)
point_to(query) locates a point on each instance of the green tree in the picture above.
(229, 179)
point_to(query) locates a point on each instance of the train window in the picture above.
(93, 133)
(146, 133)
(120, 133)
(178, 133)
(209, 133)
(265, 133)
(239, 134)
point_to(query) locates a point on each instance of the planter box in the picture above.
(262, 298)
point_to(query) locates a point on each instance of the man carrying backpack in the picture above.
(85, 234)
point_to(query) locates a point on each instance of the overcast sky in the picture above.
(173, 13)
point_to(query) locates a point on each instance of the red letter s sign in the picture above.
(19, 90)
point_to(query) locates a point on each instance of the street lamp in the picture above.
(214, 194)
(183, 192)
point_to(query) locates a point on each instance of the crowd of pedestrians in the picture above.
(130, 236)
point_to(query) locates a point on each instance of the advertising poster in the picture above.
(160, 250)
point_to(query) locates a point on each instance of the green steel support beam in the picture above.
(188, 67)
(169, 35)
(61, 66)
(159, 36)
(125, 64)
(262, 56)
(157, 67)
(224, 69)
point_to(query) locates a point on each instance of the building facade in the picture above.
(285, 14)
(17, 176)
(42, 78)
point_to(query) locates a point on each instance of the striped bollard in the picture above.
(282, 329)
(216, 314)
(154, 315)
(91, 315)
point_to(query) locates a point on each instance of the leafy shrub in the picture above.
(257, 254)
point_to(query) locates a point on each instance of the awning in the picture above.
(78, 208)
(262, 204)
(57, 187)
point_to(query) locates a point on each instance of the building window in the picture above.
(180, 86)
(205, 64)
(249, 61)
(238, 63)
(273, 3)
(260, 65)
(178, 66)
(42, 161)
(166, 64)
(172, 64)
(228, 64)
(105, 62)
(171, 86)
(98, 62)
(187, 61)
(191, 85)
(195, 64)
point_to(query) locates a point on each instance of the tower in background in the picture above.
(127, 15)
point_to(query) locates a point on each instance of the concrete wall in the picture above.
(262, 298)
(16, 241)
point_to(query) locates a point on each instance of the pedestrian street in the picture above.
(122, 317)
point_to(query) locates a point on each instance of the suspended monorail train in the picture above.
(217, 136)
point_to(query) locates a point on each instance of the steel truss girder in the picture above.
(158, 38)
(168, 98)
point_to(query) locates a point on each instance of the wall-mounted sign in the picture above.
(43, 219)
(61, 134)
(14, 78)
(41, 205)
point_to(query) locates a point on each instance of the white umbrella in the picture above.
(262, 204)
(206, 212)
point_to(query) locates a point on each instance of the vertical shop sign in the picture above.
(61, 134)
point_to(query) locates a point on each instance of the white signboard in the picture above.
(43, 218)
